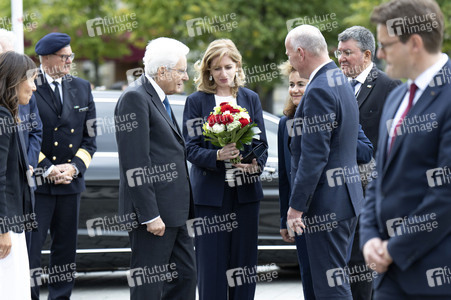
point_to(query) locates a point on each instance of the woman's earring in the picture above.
(210, 78)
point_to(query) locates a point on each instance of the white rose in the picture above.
(234, 125)
(218, 128)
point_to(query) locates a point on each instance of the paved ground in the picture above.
(113, 286)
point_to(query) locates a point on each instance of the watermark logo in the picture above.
(316, 223)
(150, 275)
(408, 225)
(108, 225)
(260, 73)
(28, 122)
(411, 25)
(441, 78)
(200, 26)
(340, 176)
(438, 176)
(241, 276)
(238, 177)
(39, 177)
(214, 224)
(412, 124)
(326, 22)
(347, 275)
(194, 126)
(438, 276)
(29, 21)
(150, 175)
(335, 77)
(111, 124)
(312, 124)
(132, 75)
(111, 25)
(55, 274)
(18, 223)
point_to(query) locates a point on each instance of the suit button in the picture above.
(55, 143)
(70, 145)
(56, 128)
(54, 158)
(204, 173)
(69, 160)
(72, 130)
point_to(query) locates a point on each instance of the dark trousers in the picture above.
(361, 289)
(304, 266)
(220, 251)
(59, 213)
(328, 251)
(162, 267)
(389, 289)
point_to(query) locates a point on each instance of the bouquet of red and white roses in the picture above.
(230, 124)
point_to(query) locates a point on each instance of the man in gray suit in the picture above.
(154, 183)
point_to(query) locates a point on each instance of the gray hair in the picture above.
(163, 52)
(363, 37)
(308, 37)
(7, 40)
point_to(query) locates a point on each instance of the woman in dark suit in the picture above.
(16, 213)
(226, 211)
(296, 89)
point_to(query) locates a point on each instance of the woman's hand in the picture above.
(228, 152)
(249, 168)
(5, 245)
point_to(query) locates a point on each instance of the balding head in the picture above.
(308, 38)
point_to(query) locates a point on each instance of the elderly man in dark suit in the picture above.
(154, 182)
(326, 193)
(65, 106)
(356, 50)
(405, 225)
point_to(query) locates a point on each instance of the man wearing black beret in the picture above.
(65, 106)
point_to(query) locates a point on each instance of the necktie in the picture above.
(168, 107)
(58, 104)
(354, 82)
(412, 91)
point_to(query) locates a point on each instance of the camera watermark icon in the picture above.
(438, 176)
(149, 175)
(438, 276)
(111, 25)
(200, 26)
(340, 176)
(335, 77)
(194, 126)
(441, 78)
(412, 124)
(35, 277)
(108, 225)
(347, 275)
(250, 275)
(412, 25)
(326, 22)
(214, 224)
(155, 274)
(407, 225)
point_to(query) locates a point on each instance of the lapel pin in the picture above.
(369, 86)
(432, 93)
(76, 106)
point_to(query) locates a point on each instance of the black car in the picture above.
(107, 247)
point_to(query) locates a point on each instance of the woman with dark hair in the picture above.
(226, 259)
(17, 73)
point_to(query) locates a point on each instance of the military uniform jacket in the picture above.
(69, 136)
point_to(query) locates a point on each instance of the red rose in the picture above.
(228, 119)
(226, 107)
(223, 103)
(211, 120)
(244, 122)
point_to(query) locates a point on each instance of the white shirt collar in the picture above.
(362, 76)
(49, 78)
(157, 88)
(425, 78)
(317, 69)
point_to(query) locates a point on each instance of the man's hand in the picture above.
(375, 252)
(286, 237)
(5, 245)
(294, 220)
(66, 174)
(156, 227)
(31, 169)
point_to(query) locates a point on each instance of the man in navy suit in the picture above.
(356, 50)
(406, 226)
(326, 195)
(66, 107)
(154, 182)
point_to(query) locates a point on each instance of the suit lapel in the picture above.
(367, 86)
(158, 104)
(45, 92)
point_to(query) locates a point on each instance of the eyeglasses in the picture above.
(382, 47)
(181, 72)
(65, 57)
(339, 53)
